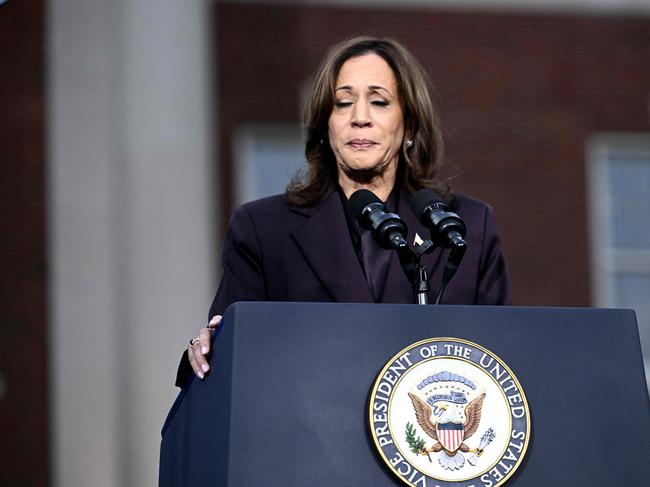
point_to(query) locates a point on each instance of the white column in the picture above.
(131, 247)
(168, 250)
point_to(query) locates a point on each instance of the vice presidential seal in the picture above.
(447, 412)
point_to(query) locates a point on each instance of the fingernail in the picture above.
(214, 320)
(204, 350)
(206, 367)
(200, 374)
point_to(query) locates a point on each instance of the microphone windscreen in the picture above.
(423, 198)
(359, 200)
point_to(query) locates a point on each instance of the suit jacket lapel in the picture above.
(325, 241)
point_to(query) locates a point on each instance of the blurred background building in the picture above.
(130, 129)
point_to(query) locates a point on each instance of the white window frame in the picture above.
(605, 260)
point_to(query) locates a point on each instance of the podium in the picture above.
(286, 400)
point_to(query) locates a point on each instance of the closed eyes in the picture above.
(377, 103)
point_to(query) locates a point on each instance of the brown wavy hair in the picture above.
(419, 163)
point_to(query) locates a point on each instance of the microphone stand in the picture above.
(418, 275)
(421, 285)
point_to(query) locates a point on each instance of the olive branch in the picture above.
(416, 444)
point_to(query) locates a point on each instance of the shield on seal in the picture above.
(450, 435)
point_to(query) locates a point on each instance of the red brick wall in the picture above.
(23, 355)
(521, 93)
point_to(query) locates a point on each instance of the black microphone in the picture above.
(388, 229)
(447, 228)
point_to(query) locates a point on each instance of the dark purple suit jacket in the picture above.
(274, 251)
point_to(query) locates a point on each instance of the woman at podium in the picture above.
(370, 122)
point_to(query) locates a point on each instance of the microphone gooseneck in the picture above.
(390, 232)
(388, 229)
(447, 228)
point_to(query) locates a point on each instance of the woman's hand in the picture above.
(200, 347)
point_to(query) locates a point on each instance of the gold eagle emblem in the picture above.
(451, 458)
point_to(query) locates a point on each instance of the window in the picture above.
(619, 173)
(266, 157)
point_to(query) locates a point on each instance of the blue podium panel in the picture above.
(286, 401)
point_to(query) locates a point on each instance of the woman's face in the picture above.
(366, 125)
